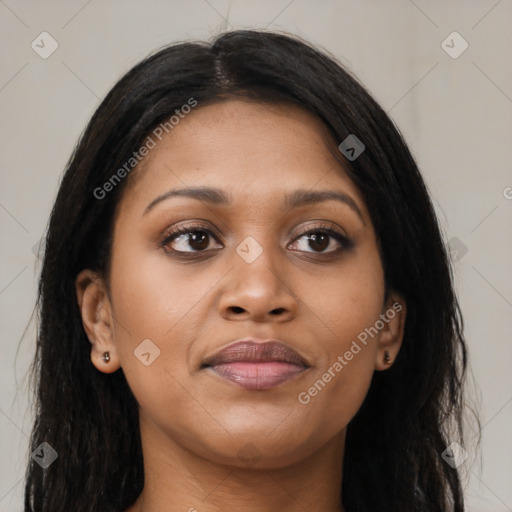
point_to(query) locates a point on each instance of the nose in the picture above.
(256, 291)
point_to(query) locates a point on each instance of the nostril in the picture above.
(236, 309)
(277, 311)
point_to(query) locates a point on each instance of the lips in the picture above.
(257, 365)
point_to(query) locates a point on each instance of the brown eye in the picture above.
(198, 240)
(321, 241)
(188, 240)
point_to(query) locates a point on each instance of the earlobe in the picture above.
(95, 310)
(392, 332)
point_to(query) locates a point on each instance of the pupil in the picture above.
(322, 241)
(200, 239)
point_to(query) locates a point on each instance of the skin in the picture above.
(194, 423)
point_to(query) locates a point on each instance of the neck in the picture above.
(179, 480)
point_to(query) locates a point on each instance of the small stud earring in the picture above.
(387, 359)
(106, 357)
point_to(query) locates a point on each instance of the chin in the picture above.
(261, 452)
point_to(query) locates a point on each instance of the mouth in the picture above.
(256, 365)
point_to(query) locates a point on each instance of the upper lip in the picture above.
(250, 350)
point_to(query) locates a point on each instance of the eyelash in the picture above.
(344, 241)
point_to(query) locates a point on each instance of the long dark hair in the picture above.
(412, 411)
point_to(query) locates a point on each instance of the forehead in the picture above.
(252, 150)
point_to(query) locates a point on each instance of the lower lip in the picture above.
(258, 376)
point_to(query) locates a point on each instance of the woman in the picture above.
(245, 301)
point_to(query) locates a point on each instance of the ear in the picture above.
(96, 312)
(392, 332)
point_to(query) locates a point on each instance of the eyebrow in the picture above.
(293, 200)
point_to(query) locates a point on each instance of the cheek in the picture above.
(349, 299)
(347, 307)
(152, 296)
(156, 323)
(332, 396)
(152, 301)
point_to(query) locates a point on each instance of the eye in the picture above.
(321, 240)
(189, 238)
(193, 238)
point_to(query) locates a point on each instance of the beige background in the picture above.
(455, 113)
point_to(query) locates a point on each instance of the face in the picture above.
(264, 256)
